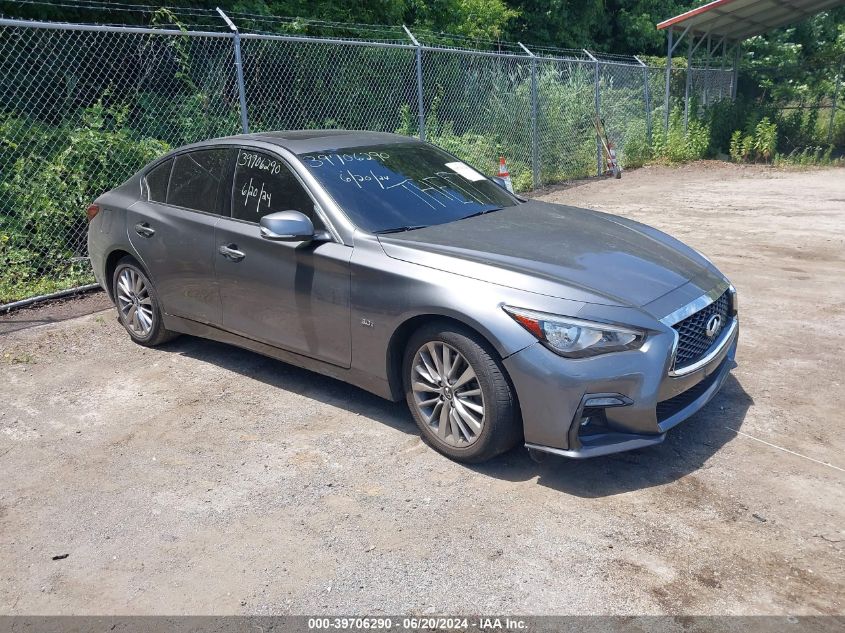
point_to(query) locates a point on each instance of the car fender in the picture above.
(389, 294)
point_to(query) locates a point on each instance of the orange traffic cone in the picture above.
(504, 174)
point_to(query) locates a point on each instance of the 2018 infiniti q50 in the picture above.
(390, 264)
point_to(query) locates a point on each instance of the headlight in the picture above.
(575, 338)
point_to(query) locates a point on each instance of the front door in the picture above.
(292, 295)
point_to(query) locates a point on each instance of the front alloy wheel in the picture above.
(447, 394)
(459, 394)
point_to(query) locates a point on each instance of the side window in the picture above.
(157, 180)
(264, 185)
(196, 180)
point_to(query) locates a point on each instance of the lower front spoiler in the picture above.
(616, 442)
(613, 443)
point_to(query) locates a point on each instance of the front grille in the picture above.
(693, 342)
(670, 407)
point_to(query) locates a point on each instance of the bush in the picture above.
(765, 139)
(637, 151)
(736, 147)
(809, 156)
(481, 149)
(837, 133)
(48, 188)
(677, 145)
(761, 145)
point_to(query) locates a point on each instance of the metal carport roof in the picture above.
(724, 23)
(736, 20)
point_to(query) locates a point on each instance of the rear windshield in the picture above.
(400, 186)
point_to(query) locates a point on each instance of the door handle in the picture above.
(230, 251)
(144, 229)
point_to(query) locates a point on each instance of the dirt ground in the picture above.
(53, 311)
(202, 479)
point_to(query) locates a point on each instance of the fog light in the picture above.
(591, 419)
(605, 401)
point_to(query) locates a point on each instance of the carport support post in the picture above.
(707, 74)
(673, 44)
(598, 110)
(239, 70)
(420, 104)
(669, 48)
(535, 149)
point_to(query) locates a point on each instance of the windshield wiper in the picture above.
(401, 229)
(477, 213)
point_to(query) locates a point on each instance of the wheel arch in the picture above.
(401, 335)
(111, 265)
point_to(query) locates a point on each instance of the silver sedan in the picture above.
(393, 265)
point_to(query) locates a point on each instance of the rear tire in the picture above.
(459, 394)
(138, 308)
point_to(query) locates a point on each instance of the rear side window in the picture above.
(264, 184)
(196, 180)
(157, 179)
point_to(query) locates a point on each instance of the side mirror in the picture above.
(287, 226)
(500, 182)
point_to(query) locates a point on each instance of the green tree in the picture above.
(562, 23)
(481, 19)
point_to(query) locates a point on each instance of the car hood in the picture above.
(560, 251)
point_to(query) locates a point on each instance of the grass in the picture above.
(16, 288)
(19, 358)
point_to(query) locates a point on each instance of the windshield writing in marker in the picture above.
(340, 160)
(401, 184)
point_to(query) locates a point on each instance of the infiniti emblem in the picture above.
(714, 326)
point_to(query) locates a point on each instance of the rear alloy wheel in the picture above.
(134, 303)
(137, 304)
(458, 394)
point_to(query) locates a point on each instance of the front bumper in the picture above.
(555, 394)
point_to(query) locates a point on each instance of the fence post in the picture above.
(833, 103)
(420, 104)
(535, 147)
(598, 110)
(735, 74)
(688, 82)
(647, 97)
(239, 70)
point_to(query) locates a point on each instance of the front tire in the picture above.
(459, 394)
(137, 304)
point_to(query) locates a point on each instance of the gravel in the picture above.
(197, 478)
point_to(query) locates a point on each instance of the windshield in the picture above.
(400, 186)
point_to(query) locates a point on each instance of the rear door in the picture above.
(172, 229)
(293, 295)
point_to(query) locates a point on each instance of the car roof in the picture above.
(305, 141)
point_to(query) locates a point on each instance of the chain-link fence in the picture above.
(82, 107)
(807, 101)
